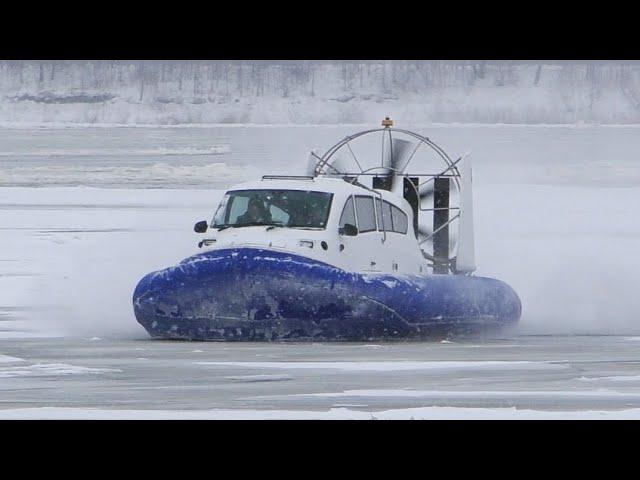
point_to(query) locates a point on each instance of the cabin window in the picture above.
(221, 211)
(285, 208)
(348, 214)
(399, 220)
(392, 217)
(366, 214)
(384, 215)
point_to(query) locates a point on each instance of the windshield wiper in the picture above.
(274, 225)
(250, 224)
(269, 225)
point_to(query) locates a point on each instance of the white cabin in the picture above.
(314, 217)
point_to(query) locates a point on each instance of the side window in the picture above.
(366, 214)
(348, 214)
(384, 215)
(399, 220)
(279, 215)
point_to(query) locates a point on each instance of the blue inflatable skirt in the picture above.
(253, 294)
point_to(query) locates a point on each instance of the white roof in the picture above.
(317, 184)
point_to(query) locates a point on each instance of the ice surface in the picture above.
(516, 375)
(157, 174)
(615, 378)
(259, 378)
(555, 218)
(424, 413)
(117, 152)
(78, 248)
(394, 366)
(108, 379)
(549, 202)
(451, 394)
(9, 359)
(50, 370)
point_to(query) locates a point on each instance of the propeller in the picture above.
(388, 166)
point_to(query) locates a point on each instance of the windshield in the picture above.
(286, 208)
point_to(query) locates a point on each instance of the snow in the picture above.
(537, 192)
(259, 378)
(118, 152)
(9, 359)
(615, 378)
(455, 394)
(51, 370)
(390, 283)
(394, 366)
(422, 413)
(555, 218)
(155, 174)
(109, 375)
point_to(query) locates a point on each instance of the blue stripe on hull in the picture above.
(254, 294)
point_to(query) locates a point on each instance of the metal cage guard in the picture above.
(440, 261)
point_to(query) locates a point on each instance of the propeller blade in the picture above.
(426, 191)
(425, 225)
(425, 232)
(399, 156)
(401, 152)
(341, 165)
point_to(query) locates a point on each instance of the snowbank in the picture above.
(421, 413)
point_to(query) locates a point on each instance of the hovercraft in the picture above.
(369, 245)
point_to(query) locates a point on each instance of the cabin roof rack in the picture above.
(288, 177)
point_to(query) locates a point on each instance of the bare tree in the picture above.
(196, 74)
(141, 75)
(313, 80)
(536, 80)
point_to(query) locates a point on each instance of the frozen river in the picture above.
(85, 212)
(526, 376)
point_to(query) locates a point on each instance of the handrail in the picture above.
(288, 177)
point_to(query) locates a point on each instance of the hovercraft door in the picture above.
(369, 239)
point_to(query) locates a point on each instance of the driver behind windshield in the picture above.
(256, 213)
